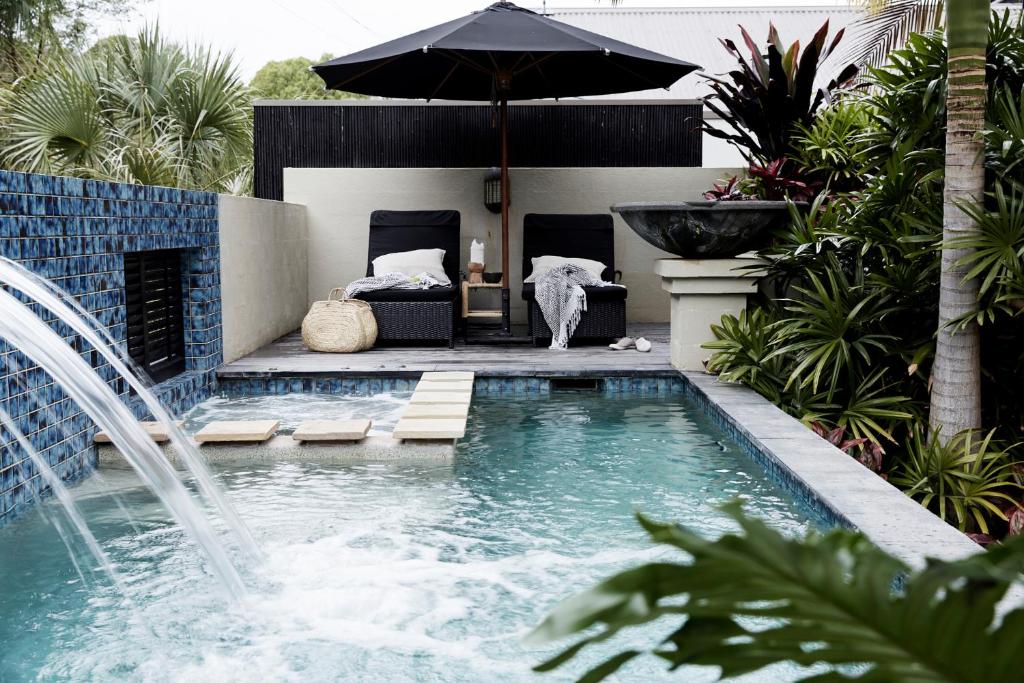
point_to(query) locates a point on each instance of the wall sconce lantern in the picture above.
(492, 190)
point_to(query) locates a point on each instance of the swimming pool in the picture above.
(386, 571)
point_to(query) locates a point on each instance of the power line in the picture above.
(303, 19)
(351, 17)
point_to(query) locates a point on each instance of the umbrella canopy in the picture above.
(501, 53)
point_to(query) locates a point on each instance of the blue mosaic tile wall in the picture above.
(75, 232)
(519, 387)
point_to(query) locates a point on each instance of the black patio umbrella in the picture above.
(501, 53)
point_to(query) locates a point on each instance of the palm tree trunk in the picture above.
(956, 376)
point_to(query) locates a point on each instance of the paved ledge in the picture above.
(823, 476)
(284, 448)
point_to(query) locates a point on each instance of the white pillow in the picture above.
(429, 261)
(543, 264)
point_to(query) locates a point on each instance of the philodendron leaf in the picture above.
(749, 600)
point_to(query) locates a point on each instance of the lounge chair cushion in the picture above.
(396, 231)
(429, 261)
(589, 236)
(593, 293)
(408, 295)
(543, 264)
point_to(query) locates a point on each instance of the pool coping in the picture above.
(829, 480)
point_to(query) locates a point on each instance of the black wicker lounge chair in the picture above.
(589, 236)
(408, 315)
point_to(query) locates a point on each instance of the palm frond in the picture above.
(887, 25)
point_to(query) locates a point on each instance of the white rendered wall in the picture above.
(264, 274)
(339, 202)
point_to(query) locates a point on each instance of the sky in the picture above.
(258, 31)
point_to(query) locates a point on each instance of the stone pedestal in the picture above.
(703, 290)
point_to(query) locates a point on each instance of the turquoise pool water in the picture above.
(383, 572)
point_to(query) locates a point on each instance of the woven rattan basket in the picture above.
(339, 325)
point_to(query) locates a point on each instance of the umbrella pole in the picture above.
(506, 314)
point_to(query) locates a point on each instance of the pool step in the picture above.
(448, 376)
(450, 411)
(441, 397)
(332, 430)
(430, 428)
(460, 386)
(438, 409)
(155, 430)
(237, 431)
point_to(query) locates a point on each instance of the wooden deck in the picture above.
(288, 357)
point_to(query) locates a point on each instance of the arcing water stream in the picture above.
(36, 340)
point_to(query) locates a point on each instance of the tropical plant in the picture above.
(138, 110)
(752, 599)
(830, 148)
(764, 99)
(887, 26)
(995, 256)
(964, 480)
(854, 281)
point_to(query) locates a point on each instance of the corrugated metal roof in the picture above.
(692, 33)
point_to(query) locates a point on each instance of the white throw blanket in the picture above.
(393, 281)
(562, 300)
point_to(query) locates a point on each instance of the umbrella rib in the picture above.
(456, 57)
(536, 62)
(455, 65)
(337, 86)
(639, 76)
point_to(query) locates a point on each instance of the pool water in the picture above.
(398, 571)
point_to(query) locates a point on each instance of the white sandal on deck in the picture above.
(623, 344)
(642, 345)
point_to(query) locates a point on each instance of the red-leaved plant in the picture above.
(729, 191)
(866, 451)
(779, 179)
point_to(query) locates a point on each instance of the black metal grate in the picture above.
(153, 298)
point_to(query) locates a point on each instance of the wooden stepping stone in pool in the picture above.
(332, 430)
(248, 431)
(448, 376)
(454, 385)
(155, 430)
(441, 397)
(436, 411)
(408, 428)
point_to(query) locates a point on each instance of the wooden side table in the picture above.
(468, 312)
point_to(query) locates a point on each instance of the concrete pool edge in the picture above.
(827, 478)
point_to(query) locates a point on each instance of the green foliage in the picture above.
(996, 255)
(749, 600)
(848, 334)
(137, 110)
(766, 97)
(830, 146)
(291, 79)
(32, 31)
(964, 481)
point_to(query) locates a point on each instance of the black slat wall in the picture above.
(463, 136)
(156, 333)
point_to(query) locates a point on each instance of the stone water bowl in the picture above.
(705, 228)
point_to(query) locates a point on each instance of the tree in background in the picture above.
(33, 30)
(291, 79)
(133, 109)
